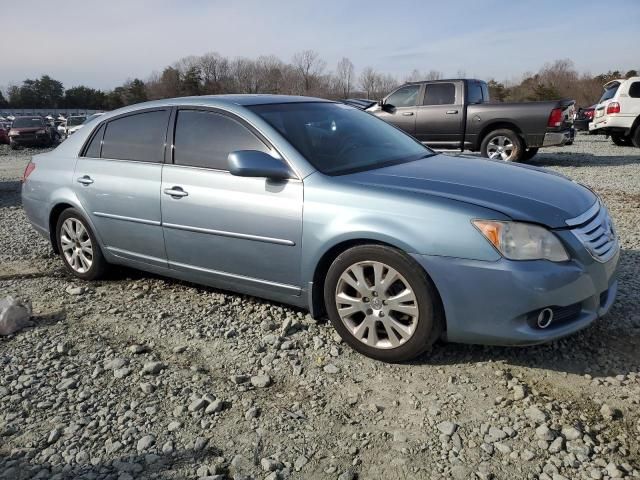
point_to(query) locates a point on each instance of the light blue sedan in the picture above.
(320, 205)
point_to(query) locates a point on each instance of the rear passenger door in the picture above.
(236, 232)
(117, 180)
(439, 117)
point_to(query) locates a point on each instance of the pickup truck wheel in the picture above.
(621, 140)
(529, 153)
(502, 145)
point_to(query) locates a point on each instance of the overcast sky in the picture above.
(102, 43)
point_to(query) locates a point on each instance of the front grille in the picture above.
(594, 229)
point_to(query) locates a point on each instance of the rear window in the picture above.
(138, 137)
(609, 92)
(634, 90)
(27, 122)
(205, 139)
(440, 94)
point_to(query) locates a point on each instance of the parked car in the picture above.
(618, 112)
(457, 114)
(323, 206)
(30, 131)
(4, 132)
(583, 117)
(74, 123)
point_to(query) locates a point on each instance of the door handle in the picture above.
(85, 180)
(175, 192)
(407, 114)
(452, 112)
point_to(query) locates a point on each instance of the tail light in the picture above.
(27, 171)
(613, 107)
(555, 118)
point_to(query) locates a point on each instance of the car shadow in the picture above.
(571, 159)
(10, 193)
(151, 465)
(606, 348)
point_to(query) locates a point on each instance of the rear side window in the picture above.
(440, 94)
(404, 97)
(205, 139)
(138, 137)
(474, 94)
(94, 147)
(634, 90)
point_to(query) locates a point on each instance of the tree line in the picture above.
(306, 74)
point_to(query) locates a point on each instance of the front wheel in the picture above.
(502, 144)
(382, 303)
(78, 246)
(635, 138)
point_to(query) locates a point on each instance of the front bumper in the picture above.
(558, 138)
(30, 139)
(496, 303)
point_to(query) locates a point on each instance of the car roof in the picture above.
(239, 99)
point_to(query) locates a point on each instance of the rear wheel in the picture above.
(503, 144)
(382, 303)
(622, 140)
(529, 153)
(78, 246)
(635, 138)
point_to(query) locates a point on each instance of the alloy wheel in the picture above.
(500, 148)
(377, 304)
(76, 245)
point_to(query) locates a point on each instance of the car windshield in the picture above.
(609, 92)
(26, 122)
(338, 139)
(73, 121)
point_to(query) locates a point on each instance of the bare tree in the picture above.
(386, 83)
(369, 80)
(215, 72)
(344, 76)
(310, 66)
(433, 75)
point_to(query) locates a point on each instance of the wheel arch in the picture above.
(54, 215)
(316, 293)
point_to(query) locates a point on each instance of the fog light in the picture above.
(545, 317)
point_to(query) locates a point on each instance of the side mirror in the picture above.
(381, 102)
(253, 163)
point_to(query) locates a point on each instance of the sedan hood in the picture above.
(521, 192)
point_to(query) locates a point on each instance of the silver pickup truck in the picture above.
(457, 114)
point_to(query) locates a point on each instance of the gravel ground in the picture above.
(143, 377)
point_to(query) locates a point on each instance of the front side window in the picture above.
(404, 97)
(440, 94)
(338, 139)
(205, 139)
(138, 137)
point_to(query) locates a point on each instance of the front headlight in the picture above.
(522, 241)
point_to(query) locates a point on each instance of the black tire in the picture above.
(99, 265)
(529, 153)
(518, 146)
(13, 145)
(429, 323)
(635, 138)
(622, 140)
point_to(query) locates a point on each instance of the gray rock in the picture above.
(300, 462)
(214, 407)
(270, 464)
(535, 414)
(261, 381)
(571, 433)
(153, 368)
(545, 433)
(54, 435)
(147, 388)
(557, 445)
(197, 404)
(115, 363)
(145, 443)
(331, 368)
(200, 443)
(122, 372)
(67, 384)
(447, 428)
(175, 425)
